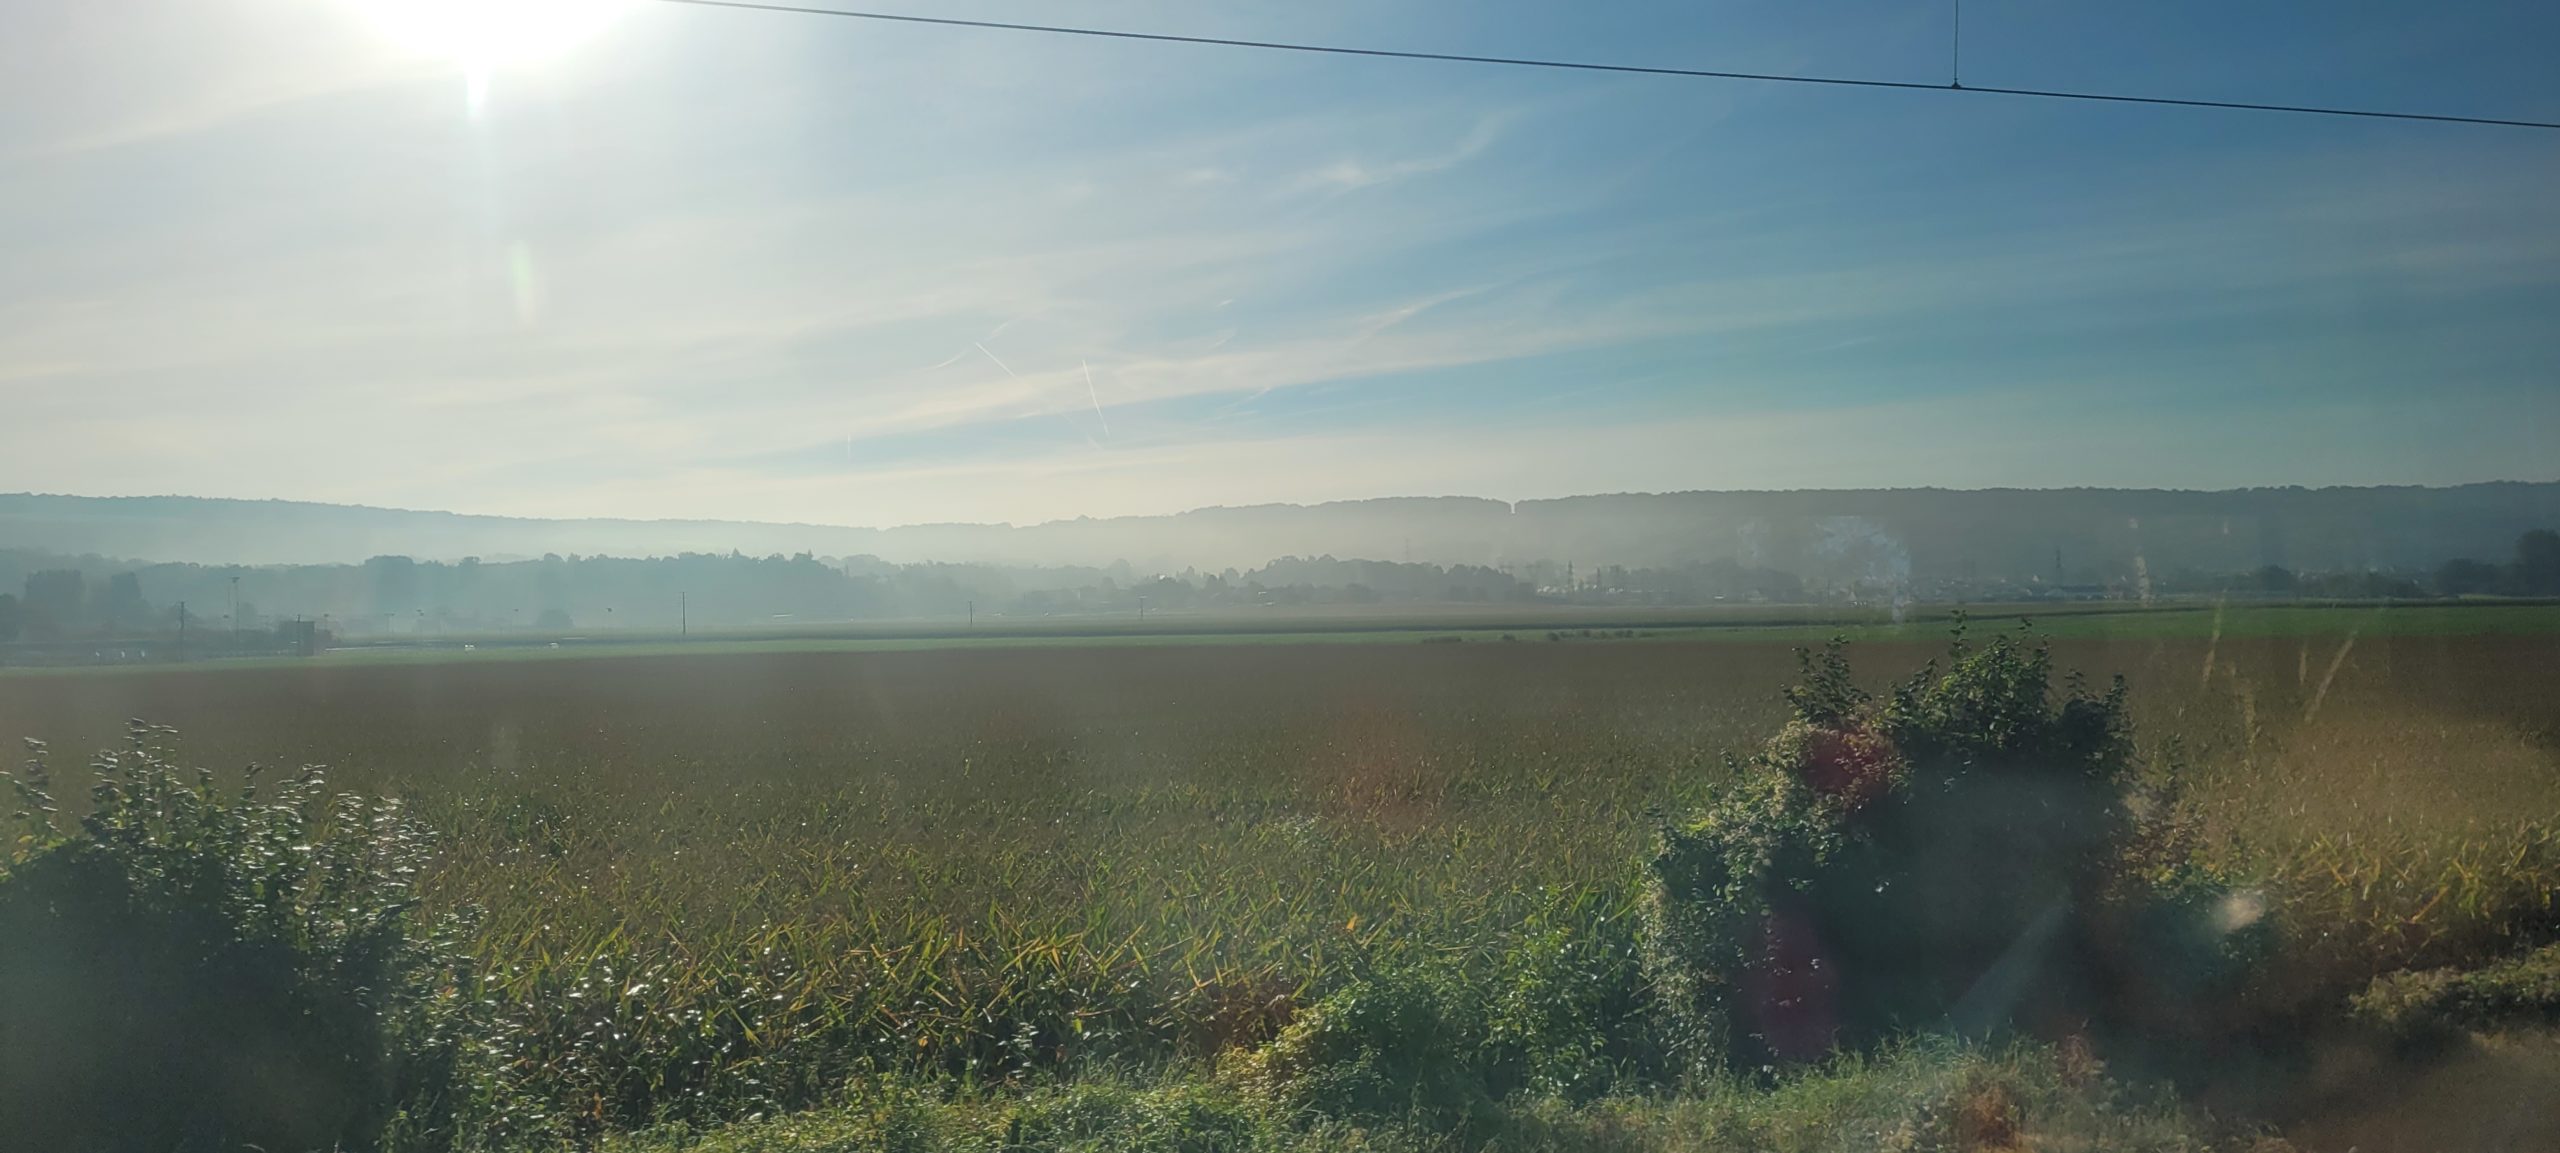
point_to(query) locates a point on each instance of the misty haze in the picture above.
(1048, 576)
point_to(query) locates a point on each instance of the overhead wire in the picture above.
(1600, 66)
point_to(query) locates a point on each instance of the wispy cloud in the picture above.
(296, 252)
(85, 78)
(2022, 438)
(1353, 173)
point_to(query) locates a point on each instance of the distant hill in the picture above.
(2068, 534)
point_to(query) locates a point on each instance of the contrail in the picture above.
(1089, 392)
(1095, 397)
(992, 356)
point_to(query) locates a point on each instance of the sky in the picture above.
(640, 259)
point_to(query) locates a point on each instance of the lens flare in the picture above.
(486, 33)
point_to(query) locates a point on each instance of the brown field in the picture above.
(835, 854)
(1153, 710)
(2410, 726)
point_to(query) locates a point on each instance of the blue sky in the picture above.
(717, 263)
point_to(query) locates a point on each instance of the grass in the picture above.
(1924, 1096)
(706, 885)
(2520, 991)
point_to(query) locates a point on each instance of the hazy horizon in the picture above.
(2008, 531)
(1417, 498)
(1679, 576)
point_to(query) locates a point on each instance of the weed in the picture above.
(192, 966)
(2519, 992)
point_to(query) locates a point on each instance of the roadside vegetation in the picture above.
(1523, 896)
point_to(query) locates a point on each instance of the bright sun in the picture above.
(484, 33)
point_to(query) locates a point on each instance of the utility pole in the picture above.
(235, 610)
(684, 615)
(1142, 610)
(973, 616)
(182, 630)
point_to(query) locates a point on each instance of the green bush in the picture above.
(1561, 1014)
(1569, 1015)
(1927, 1095)
(1405, 1044)
(1962, 853)
(1101, 1116)
(195, 968)
(901, 1113)
(1714, 882)
(2437, 1003)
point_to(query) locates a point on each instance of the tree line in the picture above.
(76, 598)
(66, 598)
(2531, 570)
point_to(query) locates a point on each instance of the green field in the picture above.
(975, 878)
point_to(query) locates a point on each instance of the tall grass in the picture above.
(1909, 1099)
(2388, 832)
(701, 889)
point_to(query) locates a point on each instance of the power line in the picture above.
(1592, 66)
(1955, 49)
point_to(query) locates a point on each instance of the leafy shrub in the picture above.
(1560, 1014)
(1403, 1044)
(902, 1113)
(1100, 1116)
(1929, 1095)
(1569, 1016)
(1961, 852)
(1712, 899)
(2519, 991)
(198, 968)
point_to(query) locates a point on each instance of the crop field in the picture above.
(1398, 625)
(707, 885)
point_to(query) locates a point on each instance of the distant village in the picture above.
(88, 610)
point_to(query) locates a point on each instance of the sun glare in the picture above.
(485, 33)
